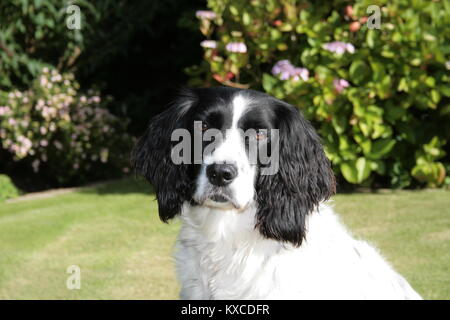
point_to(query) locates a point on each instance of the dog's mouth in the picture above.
(219, 198)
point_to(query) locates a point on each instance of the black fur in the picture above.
(151, 158)
(304, 178)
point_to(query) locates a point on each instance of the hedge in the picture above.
(378, 94)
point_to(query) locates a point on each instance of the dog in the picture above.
(249, 234)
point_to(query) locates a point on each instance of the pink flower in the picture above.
(286, 70)
(44, 143)
(301, 73)
(211, 44)
(205, 14)
(43, 81)
(339, 47)
(26, 143)
(340, 84)
(56, 78)
(236, 47)
(4, 111)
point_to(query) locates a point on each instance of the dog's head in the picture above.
(232, 149)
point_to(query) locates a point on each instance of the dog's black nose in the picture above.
(221, 174)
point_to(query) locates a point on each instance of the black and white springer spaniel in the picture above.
(248, 235)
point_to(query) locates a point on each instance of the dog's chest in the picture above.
(227, 271)
(223, 256)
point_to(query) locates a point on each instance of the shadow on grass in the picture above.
(121, 186)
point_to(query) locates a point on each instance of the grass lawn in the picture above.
(112, 232)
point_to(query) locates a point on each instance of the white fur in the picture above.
(221, 255)
(231, 150)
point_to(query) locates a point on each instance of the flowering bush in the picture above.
(378, 94)
(61, 133)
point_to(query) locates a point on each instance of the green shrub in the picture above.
(7, 188)
(34, 34)
(380, 98)
(141, 40)
(65, 135)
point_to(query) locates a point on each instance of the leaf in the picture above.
(363, 168)
(349, 172)
(435, 96)
(268, 82)
(246, 18)
(234, 11)
(445, 90)
(356, 171)
(358, 71)
(378, 71)
(432, 173)
(378, 166)
(381, 148)
(370, 39)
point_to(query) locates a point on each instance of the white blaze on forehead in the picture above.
(232, 150)
(239, 106)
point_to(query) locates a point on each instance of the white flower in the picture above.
(339, 47)
(236, 47)
(211, 44)
(43, 81)
(205, 14)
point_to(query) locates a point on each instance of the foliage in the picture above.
(7, 188)
(127, 50)
(61, 133)
(34, 34)
(380, 98)
(140, 40)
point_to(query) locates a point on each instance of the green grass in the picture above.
(113, 234)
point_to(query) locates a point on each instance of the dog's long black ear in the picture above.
(303, 180)
(151, 157)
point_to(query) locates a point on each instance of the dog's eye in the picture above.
(204, 126)
(261, 134)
